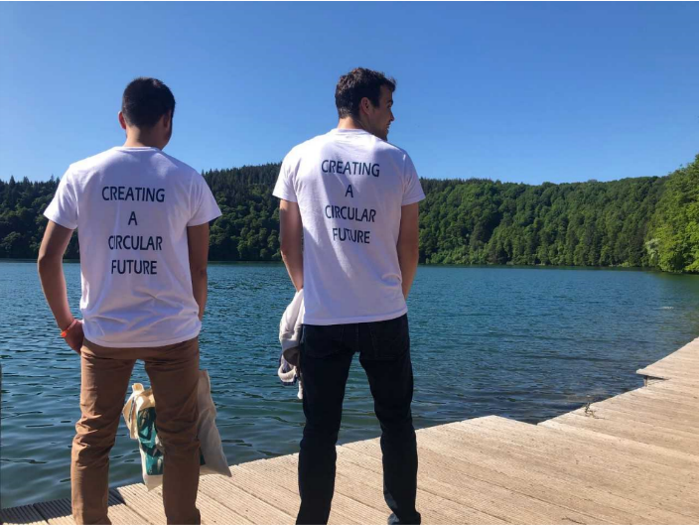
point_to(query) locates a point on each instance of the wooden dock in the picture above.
(631, 459)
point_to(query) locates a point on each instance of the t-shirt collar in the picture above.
(134, 148)
(346, 131)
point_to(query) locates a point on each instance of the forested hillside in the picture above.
(637, 222)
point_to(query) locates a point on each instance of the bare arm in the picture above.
(50, 266)
(291, 232)
(198, 240)
(408, 239)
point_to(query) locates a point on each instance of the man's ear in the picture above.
(167, 120)
(122, 120)
(365, 105)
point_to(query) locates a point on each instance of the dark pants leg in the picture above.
(385, 355)
(325, 364)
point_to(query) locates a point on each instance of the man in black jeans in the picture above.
(349, 239)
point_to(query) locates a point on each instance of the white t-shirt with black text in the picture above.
(132, 207)
(350, 187)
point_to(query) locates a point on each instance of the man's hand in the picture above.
(75, 337)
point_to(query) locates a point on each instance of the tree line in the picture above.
(649, 222)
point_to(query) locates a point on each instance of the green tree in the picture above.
(675, 242)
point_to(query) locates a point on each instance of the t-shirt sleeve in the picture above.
(63, 209)
(204, 207)
(284, 189)
(412, 190)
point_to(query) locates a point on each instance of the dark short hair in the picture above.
(357, 84)
(145, 101)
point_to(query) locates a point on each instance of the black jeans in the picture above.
(326, 355)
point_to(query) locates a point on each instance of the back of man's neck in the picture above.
(139, 143)
(349, 123)
(136, 138)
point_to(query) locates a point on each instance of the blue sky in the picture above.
(522, 92)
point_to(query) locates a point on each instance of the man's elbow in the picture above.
(409, 249)
(47, 261)
(284, 250)
(199, 272)
(288, 249)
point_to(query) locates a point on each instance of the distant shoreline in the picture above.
(423, 265)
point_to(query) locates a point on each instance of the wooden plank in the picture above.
(654, 408)
(25, 515)
(640, 433)
(264, 482)
(285, 499)
(149, 506)
(281, 490)
(613, 480)
(628, 409)
(242, 503)
(436, 457)
(487, 498)
(668, 420)
(672, 459)
(648, 373)
(671, 387)
(678, 366)
(682, 440)
(212, 512)
(679, 383)
(357, 484)
(349, 508)
(59, 512)
(548, 442)
(434, 508)
(677, 387)
(680, 399)
(56, 512)
(547, 483)
(671, 372)
(683, 400)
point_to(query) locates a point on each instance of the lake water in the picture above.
(524, 343)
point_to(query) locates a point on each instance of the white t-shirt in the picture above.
(350, 186)
(132, 207)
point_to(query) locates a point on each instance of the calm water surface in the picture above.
(524, 343)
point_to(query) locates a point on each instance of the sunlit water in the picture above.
(524, 343)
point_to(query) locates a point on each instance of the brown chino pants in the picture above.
(174, 373)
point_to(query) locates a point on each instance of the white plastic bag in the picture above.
(139, 413)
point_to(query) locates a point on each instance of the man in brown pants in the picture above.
(143, 230)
